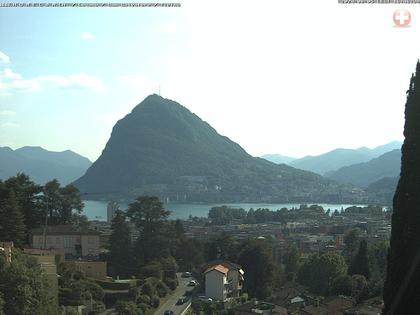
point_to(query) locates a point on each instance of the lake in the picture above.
(96, 210)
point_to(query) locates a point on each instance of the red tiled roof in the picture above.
(229, 265)
(219, 268)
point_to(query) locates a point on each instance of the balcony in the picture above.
(227, 288)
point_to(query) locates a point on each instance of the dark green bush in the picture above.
(144, 299)
(155, 301)
(171, 283)
(148, 289)
(161, 289)
(143, 306)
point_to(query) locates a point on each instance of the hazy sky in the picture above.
(289, 77)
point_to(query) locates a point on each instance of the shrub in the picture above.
(148, 289)
(161, 289)
(291, 276)
(134, 292)
(244, 298)
(171, 283)
(145, 299)
(69, 310)
(143, 306)
(152, 280)
(210, 308)
(155, 301)
(127, 308)
(152, 270)
(342, 285)
(197, 307)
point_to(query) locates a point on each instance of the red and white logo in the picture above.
(402, 18)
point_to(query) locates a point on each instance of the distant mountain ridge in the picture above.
(383, 189)
(163, 149)
(42, 165)
(338, 158)
(278, 158)
(387, 165)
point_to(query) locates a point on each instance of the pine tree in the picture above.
(402, 285)
(120, 253)
(360, 263)
(12, 226)
(26, 192)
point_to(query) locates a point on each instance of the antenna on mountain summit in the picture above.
(159, 89)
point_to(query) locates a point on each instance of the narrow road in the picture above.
(170, 304)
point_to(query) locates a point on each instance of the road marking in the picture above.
(186, 309)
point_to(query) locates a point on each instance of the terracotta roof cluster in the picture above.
(64, 230)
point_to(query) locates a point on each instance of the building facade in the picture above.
(74, 242)
(223, 280)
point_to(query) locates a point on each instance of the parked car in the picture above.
(186, 274)
(168, 312)
(205, 298)
(192, 283)
(182, 300)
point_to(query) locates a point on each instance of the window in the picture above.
(67, 242)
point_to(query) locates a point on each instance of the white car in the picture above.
(192, 283)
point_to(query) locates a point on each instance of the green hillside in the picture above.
(161, 148)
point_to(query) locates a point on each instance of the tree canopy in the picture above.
(61, 202)
(360, 263)
(23, 287)
(24, 205)
(257, 263)
(320, 271)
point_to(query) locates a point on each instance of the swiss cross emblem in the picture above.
(402, 18)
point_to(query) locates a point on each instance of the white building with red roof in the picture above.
(223, 280)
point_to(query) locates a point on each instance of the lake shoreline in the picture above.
(97, 210)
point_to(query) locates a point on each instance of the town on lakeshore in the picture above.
(210, 158)
(233, 260)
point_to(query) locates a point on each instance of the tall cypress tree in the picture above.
(120, 251)
(402, 285)
(360, 263)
